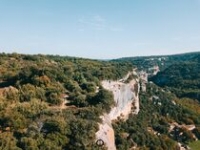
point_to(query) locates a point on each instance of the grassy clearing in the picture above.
(195, 145)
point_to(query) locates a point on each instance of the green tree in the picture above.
(8, 141)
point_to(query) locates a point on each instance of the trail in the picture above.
(126, 97)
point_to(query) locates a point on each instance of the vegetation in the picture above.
(145, 63)
(151, 127)
(195, 145)
(183, 79)
(34, 90)
(52, 102)
(176, 101)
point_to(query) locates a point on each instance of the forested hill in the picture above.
(56, 103)
(182, 78)
(163, 61)
(169, 106)
(34, 91)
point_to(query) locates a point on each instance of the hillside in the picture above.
(168, 108)
(183, 79)
(163, 61)
(33, 94)
(67, 103)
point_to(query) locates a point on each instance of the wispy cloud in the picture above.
(99, 19)
(96, 22)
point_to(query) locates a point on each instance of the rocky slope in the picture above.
(127, 101)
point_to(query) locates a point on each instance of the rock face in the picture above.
(143, 79)
(106, 133)
(126, 97)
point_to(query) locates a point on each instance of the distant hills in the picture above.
(162, 61)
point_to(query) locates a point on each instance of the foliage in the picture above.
(34, 90)
(195, 145)
(183, 79)
(51, 102)
(150, 128)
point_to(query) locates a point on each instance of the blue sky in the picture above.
(100, 28)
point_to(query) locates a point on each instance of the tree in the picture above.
(28, 144)
(8, 141)
(104, 99)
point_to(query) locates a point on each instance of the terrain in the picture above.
(52, 102)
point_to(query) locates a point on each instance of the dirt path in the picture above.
(60, 107)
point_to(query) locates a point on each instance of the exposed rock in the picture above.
(125, 95)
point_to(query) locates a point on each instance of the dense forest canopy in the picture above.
(174, 98)
(52, 102)
(33, 91)
(163, 61)
(182, 78)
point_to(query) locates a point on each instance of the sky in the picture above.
(100, 29)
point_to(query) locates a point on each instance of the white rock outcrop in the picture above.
(126, 97)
